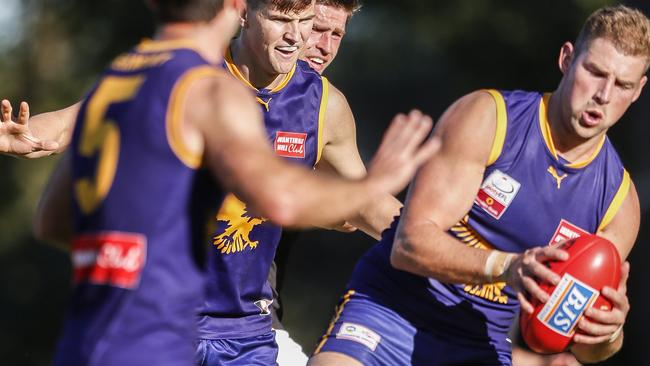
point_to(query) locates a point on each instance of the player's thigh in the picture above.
(333, 359)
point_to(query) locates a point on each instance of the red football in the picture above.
(593, 264)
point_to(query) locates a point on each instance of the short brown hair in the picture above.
(627, 28)
(284, 6)
(350, 6)
(170, 11)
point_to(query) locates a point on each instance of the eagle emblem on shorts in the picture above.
(239, 224)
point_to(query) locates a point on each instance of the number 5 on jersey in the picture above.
(100, 135)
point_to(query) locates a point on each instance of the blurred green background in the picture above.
(397, 55)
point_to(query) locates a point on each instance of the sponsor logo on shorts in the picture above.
(290, 144)
(110, 258)
(568, 302)
(360, 334)
(565, 231)
(497, 193)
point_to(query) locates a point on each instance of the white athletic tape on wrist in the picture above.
(497, 264)
(616, 334)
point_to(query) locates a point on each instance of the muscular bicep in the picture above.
(445, 187)
(624, 227)
(340, 152)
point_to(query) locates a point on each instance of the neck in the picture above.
(250, 67)
(208, 44)
(567, 143)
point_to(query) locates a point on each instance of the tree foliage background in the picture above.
(397, 55)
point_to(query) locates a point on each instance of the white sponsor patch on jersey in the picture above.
(497, 193)
(360, 334)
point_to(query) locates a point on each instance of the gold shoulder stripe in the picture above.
(321, 117)
(623, 189)
(502, 125)
(148, 45)
(544, 126)
(173, 123)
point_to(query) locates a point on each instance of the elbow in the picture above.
(402, 256)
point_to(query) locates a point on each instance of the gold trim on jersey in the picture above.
(502, 126)
(136, 61)
(237, 74)
(488, 291)
(339, 310)
(173, 123)
(321, 117)
(151, 45)
(619, 197)
(545, 127)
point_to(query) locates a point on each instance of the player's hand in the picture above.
(15, 137)
(402, 151)
(598, 326)
(527, 270)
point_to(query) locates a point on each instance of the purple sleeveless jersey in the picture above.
(238, 296)
(529, 197)
(137, 257)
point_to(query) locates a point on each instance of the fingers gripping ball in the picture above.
(593, 264)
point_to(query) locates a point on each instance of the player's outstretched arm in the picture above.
(38, 136)
(601, 331)
(340, 153)
(52, 220)
(442, 194)
(237, 150)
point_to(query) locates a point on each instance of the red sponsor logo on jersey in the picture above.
(565, 231)
(109, 258)
(290, 144)
(489, 204)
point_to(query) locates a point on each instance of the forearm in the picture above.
(377, 216)
(426, 250)
(597, 352)
(303, 199)
(54, 126)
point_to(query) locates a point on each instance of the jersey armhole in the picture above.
(617, 201)
(321, 117)
(502, 125)
(173, 122)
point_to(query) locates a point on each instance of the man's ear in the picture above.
(567, 53)
(243, 14)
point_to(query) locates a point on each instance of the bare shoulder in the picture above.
(624, 227)
(339, 120)
(469, 125)
(212, 98)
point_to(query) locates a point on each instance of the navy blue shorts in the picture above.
(374, 334)
(260, 350)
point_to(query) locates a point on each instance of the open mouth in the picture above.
(592, 117)
(316, 60)
(288, 51)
